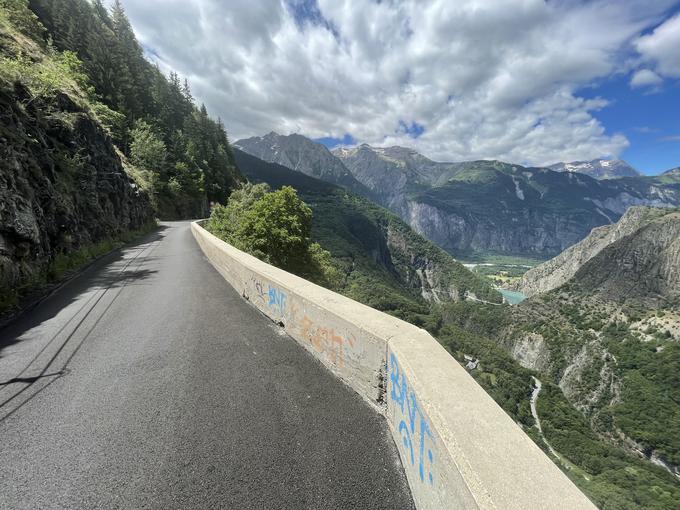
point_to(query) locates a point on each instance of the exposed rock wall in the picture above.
(557, 271)
(534, 233)
(62, 184)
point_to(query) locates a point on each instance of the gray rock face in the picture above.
(641, 235)
(642, 267)
(391, 172)
(598, 168)
(673, 173)
(495, 207)
(62, 184)
(457, 232)
(302, 155)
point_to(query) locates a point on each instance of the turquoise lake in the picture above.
(512, 297)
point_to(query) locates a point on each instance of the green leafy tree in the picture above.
(276, 227)
(148, 150)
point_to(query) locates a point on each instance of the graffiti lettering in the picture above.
(326, 340)
(277, 299)
(413, 425)
(259, 290)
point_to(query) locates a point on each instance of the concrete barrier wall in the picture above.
(458, 447)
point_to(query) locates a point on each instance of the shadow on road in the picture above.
(103, 273)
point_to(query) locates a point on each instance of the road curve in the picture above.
(147, 382)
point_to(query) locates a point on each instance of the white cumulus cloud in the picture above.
(456, 80)
(644, 78)
(662, 47)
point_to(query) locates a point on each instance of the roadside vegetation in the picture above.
(178, 154)
(274, 226)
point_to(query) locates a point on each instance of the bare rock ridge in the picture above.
(598, 168)
(641, 267)
(303, 155)
(559, 270)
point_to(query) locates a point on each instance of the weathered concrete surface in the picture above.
(458, 447)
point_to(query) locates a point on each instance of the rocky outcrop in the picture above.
(391, 172)
(559, 270)
(302, 155)
(640, 268)
(426, 273)
(62, 184)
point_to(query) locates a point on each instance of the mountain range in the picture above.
(598, 168)
(476, 209)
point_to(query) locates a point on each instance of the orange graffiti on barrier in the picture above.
(326, 340)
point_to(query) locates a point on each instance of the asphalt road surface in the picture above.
(147, 382)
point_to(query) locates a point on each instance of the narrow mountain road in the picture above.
(147, 382)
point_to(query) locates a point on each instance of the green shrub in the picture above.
(274, 226)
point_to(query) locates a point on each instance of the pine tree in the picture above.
(193, 161)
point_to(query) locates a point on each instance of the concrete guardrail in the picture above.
(458, 447)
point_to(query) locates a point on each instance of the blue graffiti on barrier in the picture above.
(277, 299)
(414, 425)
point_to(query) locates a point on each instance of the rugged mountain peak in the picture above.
(573, 261)
(673, 172)
(598, 168)
(391, 171)
(299, 153)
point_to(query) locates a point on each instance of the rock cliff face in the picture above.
(642, 267)
(528, 232)
(62, 184)
(494, 207)
(557, 271)
(302, 155)
(392, 172)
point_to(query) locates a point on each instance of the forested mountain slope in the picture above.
(94, 141)
(183, 156)
(385, 264)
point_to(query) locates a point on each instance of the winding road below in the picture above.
(148, 382)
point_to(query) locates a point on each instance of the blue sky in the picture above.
(650, 120)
